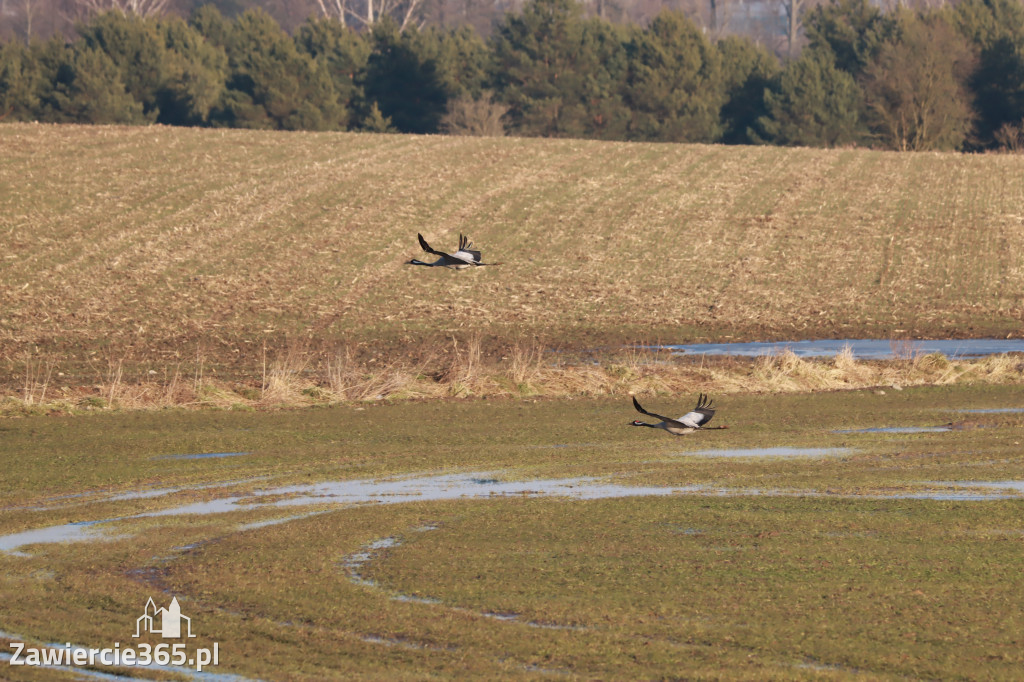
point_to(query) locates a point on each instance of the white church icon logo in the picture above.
(163, 622)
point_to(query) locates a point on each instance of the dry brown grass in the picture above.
(301, 378)
(135, 256)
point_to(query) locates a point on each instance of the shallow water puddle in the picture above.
(993, 410)
(69, 532)
(275, 521)
(475, 485)
(1017, 486)
(93, 496)
(360, 491)
(862, 349)
(426, 488)
(968, 491)
(405, 643)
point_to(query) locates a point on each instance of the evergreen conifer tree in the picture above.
(747, 70)
(675, 87)
(194, 74)
(995, 29)
(344, 53)
(19, 82)
(561, 76)
(852, 30)
(272, 85)
(85, 87)
(402, 78)
(812, 104)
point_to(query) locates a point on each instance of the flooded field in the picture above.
(477, 485)
(355, 544)
(861, 349)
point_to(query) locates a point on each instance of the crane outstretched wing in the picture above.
(427, 248)
(667, 420)
(694, 419)
(701, 414)
(466, 252)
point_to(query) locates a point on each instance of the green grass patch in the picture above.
(839, 578)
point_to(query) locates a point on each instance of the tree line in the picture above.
(950, 78)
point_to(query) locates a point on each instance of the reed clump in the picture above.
(298, 377)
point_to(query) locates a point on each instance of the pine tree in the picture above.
(19, 82)
(194, 72)
(376, 122)
(558, 74)
(272, 85)
(747, 70)
(344, 53)
(852, 30)
(85, 87)
(211, 24)
(995, 28)
(462, 61)
(604, 63)
(532, 51)
(812, 104)
(403, 79)
(135, 48)
(675, 86)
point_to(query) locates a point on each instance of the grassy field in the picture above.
(174, 256)
(807, 568)
(165, 268)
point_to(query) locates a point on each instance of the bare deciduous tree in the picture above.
(333, 9)
(368, 12)
(794, 22)
(29, 11)
(482, 117)
(916, 90)
(143, 8)
(1010, 137)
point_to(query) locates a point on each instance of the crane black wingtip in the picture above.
(703, 401)
(639, 409)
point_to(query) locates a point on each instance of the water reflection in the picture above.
(480, 485)
(993, 410)
(862, 349)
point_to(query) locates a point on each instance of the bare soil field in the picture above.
(176, 256)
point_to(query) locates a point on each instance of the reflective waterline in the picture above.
(993, 410)
(476, 485)
(862, 349)
(68, 532)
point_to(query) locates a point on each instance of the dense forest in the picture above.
(949, 78)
